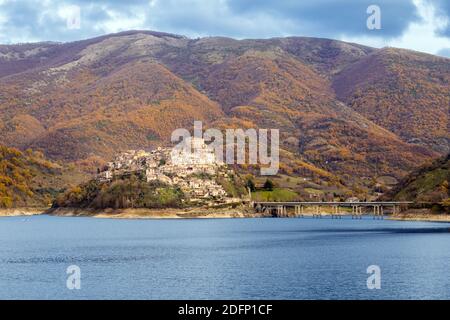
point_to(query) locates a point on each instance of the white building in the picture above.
(192, 166)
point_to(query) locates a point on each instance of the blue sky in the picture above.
(422, 25)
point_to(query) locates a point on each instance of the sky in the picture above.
(422, 25)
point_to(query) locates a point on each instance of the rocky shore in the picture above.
(186, 213)
(192, 213)
(13, 212)
(136, 213)
(420, 215)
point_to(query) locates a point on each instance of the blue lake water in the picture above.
(223, 258)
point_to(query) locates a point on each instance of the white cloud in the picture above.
(121, 22)
(3, 19)
(420, 36)
(41, 20)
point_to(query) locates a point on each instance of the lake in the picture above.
(223, 258)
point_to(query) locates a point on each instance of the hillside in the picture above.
(28, 179)
(403, 91)
(346, 112)
(429, 184)
(89, 114)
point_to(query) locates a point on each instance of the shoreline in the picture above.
(424, 218)
(141, 213)
(23, 211)
(195, 213)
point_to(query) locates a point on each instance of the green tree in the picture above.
(268, 185)
(251, 185)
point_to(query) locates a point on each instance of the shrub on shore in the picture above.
(120, 194)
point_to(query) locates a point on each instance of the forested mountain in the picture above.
(28, 179)
(404, 91)
(346, 112)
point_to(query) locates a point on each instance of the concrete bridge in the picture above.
(336, 209)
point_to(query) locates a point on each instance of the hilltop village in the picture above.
(195, 172)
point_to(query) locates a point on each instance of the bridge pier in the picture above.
(395, 209)
(298, 211)
(378, 212)
(356, 212)
(317, 213)
(280, 209)
(335, 213)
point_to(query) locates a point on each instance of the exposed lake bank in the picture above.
(23, 211)
(142, 213)
(192, 213)
(420, 215)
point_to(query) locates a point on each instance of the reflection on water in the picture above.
(382, 230)
(222, 258)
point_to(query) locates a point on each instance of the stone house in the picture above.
(193, 169)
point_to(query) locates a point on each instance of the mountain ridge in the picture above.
(97, 96)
